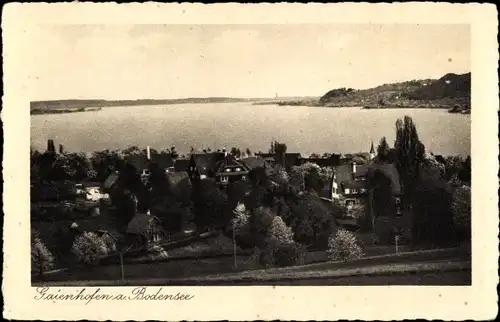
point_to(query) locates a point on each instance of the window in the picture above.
(362, 190)
(224, 179)
(354, 191)
(243, 177)
(228, 170)
(347, 191)
(238, 169)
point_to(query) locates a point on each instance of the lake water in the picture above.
(303, 129)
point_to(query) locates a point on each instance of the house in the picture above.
(145, 229)
(230, 170)
(140, 163)
(204, 165)
(91, 190)
(385, 203)
(258, 162)
(350, 185)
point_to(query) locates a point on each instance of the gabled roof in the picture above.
(231, 163)
(138, 161)
(254, 162)
(164, 160)
(343, 173)
(140, 223)
(206, 162)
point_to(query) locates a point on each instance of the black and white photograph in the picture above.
(239, 154)
(229, 155)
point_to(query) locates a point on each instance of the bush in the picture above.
(279, 231)
(289, 254)
(41, 258)
(89, 248)
(276, 253)
(343, 246)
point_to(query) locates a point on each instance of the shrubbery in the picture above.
(41, 258)
(89, 247)
(343, 246)
(279, 231)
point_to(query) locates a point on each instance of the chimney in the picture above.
(61, 149)
(148, 151)
(224, 151)
(354, 167)
(50, 146)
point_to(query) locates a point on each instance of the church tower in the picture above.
(372, 153)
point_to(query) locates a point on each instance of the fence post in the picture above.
(121, 267)
(396, 238)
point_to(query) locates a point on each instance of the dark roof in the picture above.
(254, 162)
(138, 161)
(231, 162)
(390, 171)
(140, 223)
(292, 159)
(206, 162)
(164, 160)
(343, 173)
(181, 165)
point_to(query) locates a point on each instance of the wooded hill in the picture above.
(449, 91)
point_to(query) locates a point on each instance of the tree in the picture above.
(41, 258)
(248, 152)
(409, 155)
(343, 246)
(461, 206)
(235, 152)
(465, 173)
(131, 150)
(279, 152)
(383, 150)
(173, 153)
(106, 162)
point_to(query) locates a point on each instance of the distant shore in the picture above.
(64, 111)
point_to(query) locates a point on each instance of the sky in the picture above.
(176, 61)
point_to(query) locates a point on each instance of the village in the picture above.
(274, 209)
